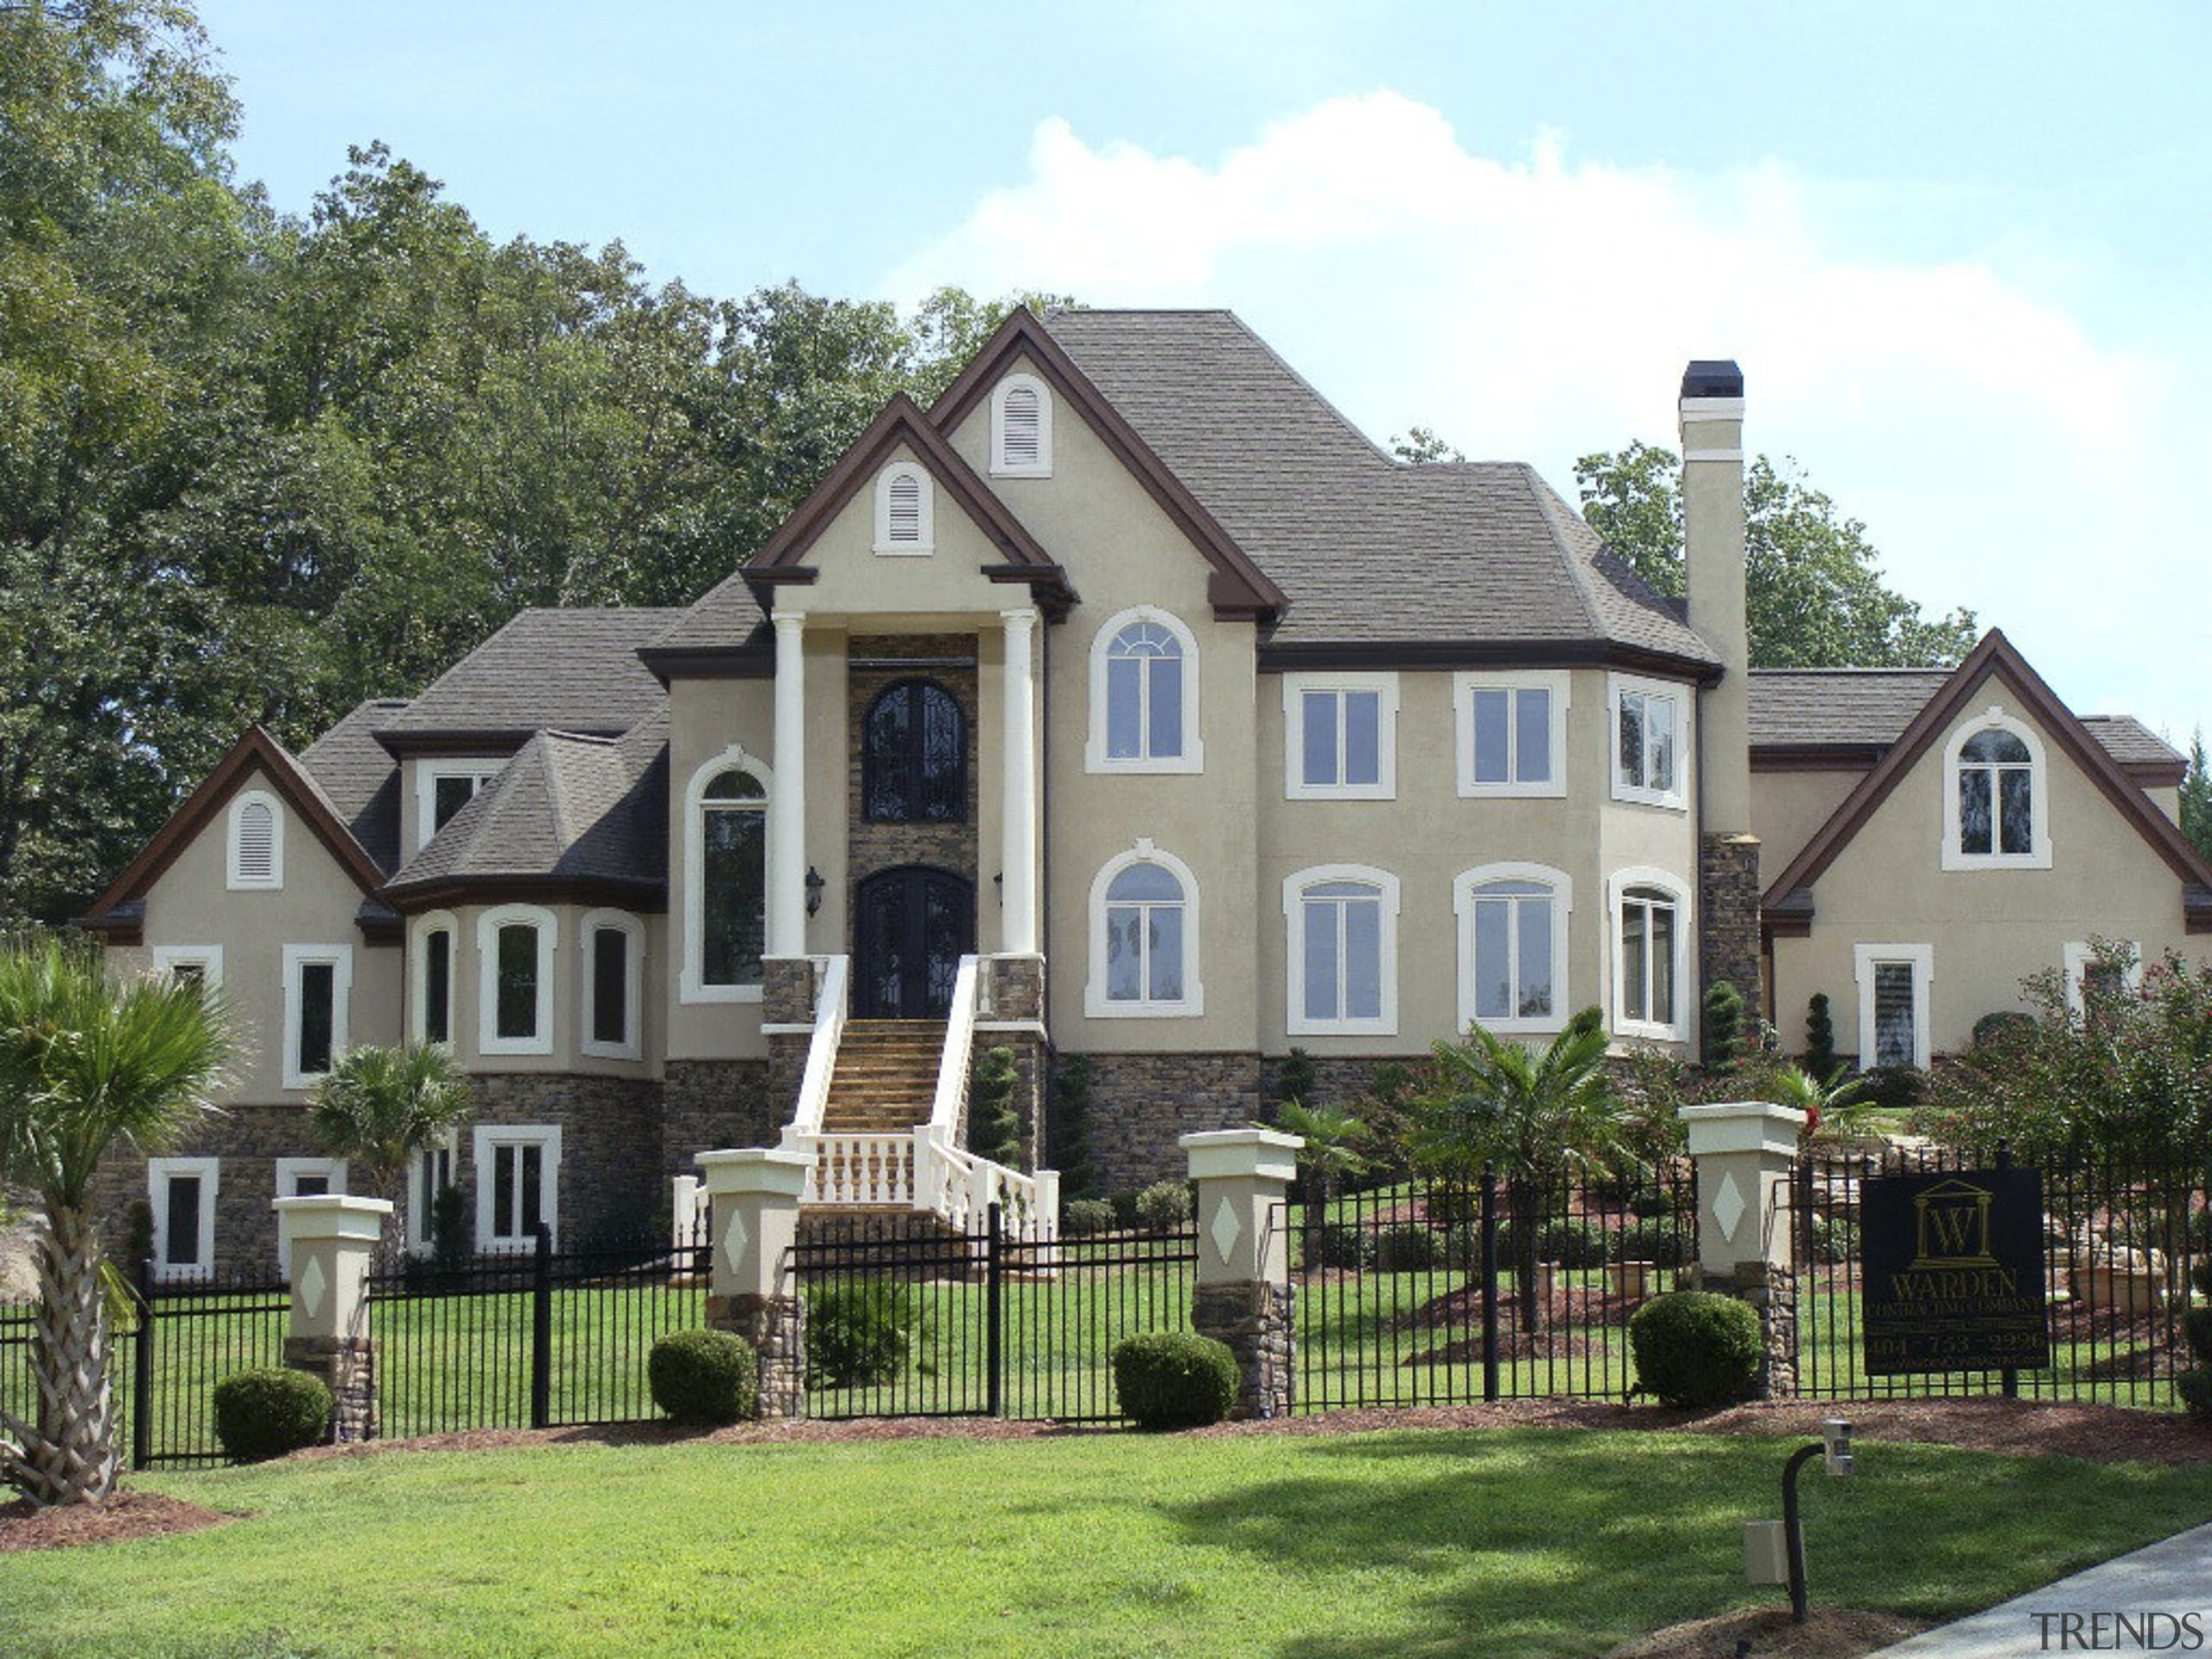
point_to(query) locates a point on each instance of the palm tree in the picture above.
(379, 1106)
(1330, 1154)
(1530, 1116)
(85, 1064)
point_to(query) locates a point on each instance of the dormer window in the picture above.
(255, 842)
(1021, 429)
(903, 509)
(1996, 814)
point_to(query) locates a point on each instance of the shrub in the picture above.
(859, 1335)
(706, 1378)
(1404, 1247)
(1821, 1063)
(1573, 1243)
(1653, 1240)
(1174, 1379)
(2002, 1025)
(1086, 1218)
(1164, 1206)
(2195, 1387)
(1895, 1087)
(1339, 1244)
(1835, 1239)
(265, 1414)
(1295, 1077)
(993, 1125)
(1723, 1026)
(1070, 1127)
(1695, 1348)
(2197, 1332)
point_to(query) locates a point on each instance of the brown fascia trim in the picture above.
(256, 750)
(1816, 757)
(1238, 589)
(1788, 918)
(640, 894)
(488, 741)
(708, 662)
(1471, 653)
(1994, 657)
(379, 926)
(2156, 774)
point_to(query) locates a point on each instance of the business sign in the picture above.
(1951, 1272)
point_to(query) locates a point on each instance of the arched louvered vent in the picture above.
(1021, 429)
(905, 508)
(1022, 410)
(256, 843)
(902, 510)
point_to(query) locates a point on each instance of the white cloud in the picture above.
(1540, 307)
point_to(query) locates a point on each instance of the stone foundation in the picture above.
(776, 1326)
(711, 1105)
(1142, 1103)
(249, 1140)
(612, 1183)
(1728, 919)
(347, 1367)
(1256, 1321)
(1772, 1294)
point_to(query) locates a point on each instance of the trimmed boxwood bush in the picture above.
(265, 1414)
(1695, 1348)
(859, 1335)
(1405, 1246)
(1174, 1379)
(1085, 1217)
(1164, 1206)
(705, 1378)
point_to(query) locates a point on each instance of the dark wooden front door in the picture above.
(911, 926)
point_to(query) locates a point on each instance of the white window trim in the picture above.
(234, 880)
(208, 958)
(427, 773)
(1294, 689)
(1556, 681)
(488, 1138)
(2078, 954)
(1294, 909)
(296, 956)
(1096, 1003)
(1620, 685)
(418, 976)
(633, 982)
(419, 1239)
(1042, 467)
(1095, 757)
(1463, 908)
(289, 1171)
(2038, 857)
(691, 986)
(1676, 889)
(926, 511)
(1922, 958)
(158, 1173)
(488, 1040)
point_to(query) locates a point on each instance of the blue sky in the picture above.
(1959, 251)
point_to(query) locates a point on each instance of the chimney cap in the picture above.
(1710, 377)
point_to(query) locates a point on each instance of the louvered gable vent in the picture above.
(906, 508)
(255, 849)
(1024, 416)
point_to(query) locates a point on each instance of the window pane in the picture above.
(1362, 960)
(944, 757)
(1631, 737)
(1535, 988)
(1321, 960)
(734, 895)
(1362, 737)
(610, 985)
(1124, 954)
(437, 987)
(2015, 810)
(1144, 881)
(516, 1014)
(884, 744)
(180, 1248)
(448, 796)
(1166, 712)
(503, 1160)
(1662, 964)
(1124, 708)
(1319, 713)
(1636, 1000)
(1493, 753)
(1994, 747)
(318, 1001)
(310, 1187)
(1975, 826)
(1167, 952)
(1659, 715)
(1893, 1013)
(1534, 717)
(1493, 959)
(533, 1191)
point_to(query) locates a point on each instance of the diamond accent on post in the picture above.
(736, 1240)
(1728, 1206)
(313, 1285)
(1225, 1229)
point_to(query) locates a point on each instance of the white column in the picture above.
(787, 802)
(1018, 923)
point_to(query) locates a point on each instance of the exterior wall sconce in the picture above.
(814, 886)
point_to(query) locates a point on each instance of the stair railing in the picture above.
(956, 1183)
(832, 982)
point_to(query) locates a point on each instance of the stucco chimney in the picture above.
(1713, 535)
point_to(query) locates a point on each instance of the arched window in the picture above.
(255, 842)
(1344, 951)
(1021, 429)
(905, 510)
(727, 916)
(1995, 806)
(1144, 695)
(1144, 910)
(1651, 936)
(431, 1011)
(914, 756)
(1513, 947)
(514, 980)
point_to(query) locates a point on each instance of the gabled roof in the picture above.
(570, 816)
(573, 670)
(1789, 895)
(361, 777)
(120, 911)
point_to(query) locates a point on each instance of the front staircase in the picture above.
(885, 1080)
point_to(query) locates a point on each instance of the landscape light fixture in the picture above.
(1774, 1551)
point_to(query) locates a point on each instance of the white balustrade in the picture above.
(832, 981)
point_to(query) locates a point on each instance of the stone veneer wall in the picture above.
(249, 1140)
(611, 1181)
(1340, 1081)
(873, 848)
(709, 1105)
(1140, 1104)
(1728, 919)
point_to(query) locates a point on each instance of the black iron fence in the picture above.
(2125, 1239)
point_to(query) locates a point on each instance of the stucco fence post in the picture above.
(331, 1242)
(754, 1195)
(1746, 1151)
(1243, 1295)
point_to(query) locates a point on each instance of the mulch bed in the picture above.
(127, 1515)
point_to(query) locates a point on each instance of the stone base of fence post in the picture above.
(776, 1326)
(1255, 1320)
(347, 1367)
(1771, 1290)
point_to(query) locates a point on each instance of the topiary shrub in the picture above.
(1723, 1026)
(1163, 1207)
(2002, 1025)
(1069, 1149)
(1174, 1379)
(1695, 1348)
(993, 1125)
(265, 1414)
(705, 1378)
(1086, 1218)
(859, 1335)
(2195, 1385)
(1821, 1062)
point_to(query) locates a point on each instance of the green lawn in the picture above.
(1526, 1543)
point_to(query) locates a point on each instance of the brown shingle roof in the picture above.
(574, 670)
(1871, 706)
(361, 777)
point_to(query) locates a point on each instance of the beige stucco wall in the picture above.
(191, 903)
(569, 980)
(1788, 808)
(706, 717)
(1988, 928)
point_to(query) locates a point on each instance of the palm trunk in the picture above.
(68, 1456)
(1524, 1206)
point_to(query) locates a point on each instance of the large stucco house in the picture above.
(1128, 704)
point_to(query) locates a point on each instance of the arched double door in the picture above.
(911, 926)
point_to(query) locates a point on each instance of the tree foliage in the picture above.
(379, 1105)
(1814, 594)
(2197, 797)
